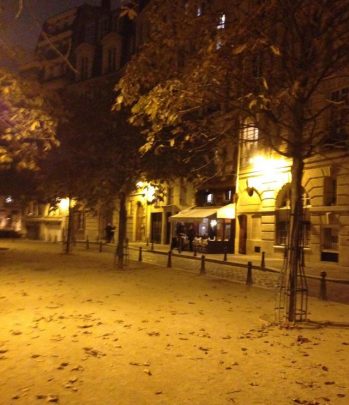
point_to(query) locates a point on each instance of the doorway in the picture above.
(156, 224)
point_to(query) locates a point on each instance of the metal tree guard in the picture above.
(299, 285)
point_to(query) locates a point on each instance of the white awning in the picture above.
(227, 212)
(194, 213)
(198, 213)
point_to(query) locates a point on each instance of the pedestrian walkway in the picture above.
(333, 270)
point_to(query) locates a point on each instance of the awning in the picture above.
(194, 213)
(227, 212)
(198, 213)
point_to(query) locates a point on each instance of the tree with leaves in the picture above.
(28, 122)
(98, 162)
(209, 66)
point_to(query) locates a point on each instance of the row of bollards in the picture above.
(249, 278)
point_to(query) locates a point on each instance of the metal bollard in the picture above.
(152, 246)
(323, 286)
(169, 259)
(263, 261)
(140, 255)
(100, 246)
(249, 281)
(87, 244)
(195, 251)
(202, 266)
(225, 254)
(147, 242)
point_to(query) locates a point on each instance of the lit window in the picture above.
(221, 21)
(209, 198)
(200, 9)
(228, 195)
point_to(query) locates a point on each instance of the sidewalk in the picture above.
(334, 271)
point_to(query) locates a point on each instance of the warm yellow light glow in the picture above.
(267, 164)
(213, 222)
(227, 212)
(149, 193)
(63, 205)
(147, 190)
(268, 170)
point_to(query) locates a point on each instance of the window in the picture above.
(90, 32)
(111, 59)
(250, 137)
(183, 194)
(169, 195)
(209, 198)
(282, 225)
(104, 27)
(330, 238)
(282, 216)
(221, 21)
(330, 190)
(228, 195)
(338, 132)
(84, 68)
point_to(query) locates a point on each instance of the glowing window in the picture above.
(221, 21)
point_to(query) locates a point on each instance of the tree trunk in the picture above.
(70, 227)
(122, 230)
(295, 242)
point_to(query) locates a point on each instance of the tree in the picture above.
(27, 122)
(270, 61)
(98, 161)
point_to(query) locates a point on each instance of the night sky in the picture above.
(23, 32)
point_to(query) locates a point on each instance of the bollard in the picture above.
(147, 242)
(87, 244)
(263, 261)
(202, 266)
(126, 243)
(140, 254)
(225, 254)
(323, 287)
(100, 246)
(169, 259)
(195, 251)
(152, 246)
(249, 281)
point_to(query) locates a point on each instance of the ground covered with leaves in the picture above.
(74, 330)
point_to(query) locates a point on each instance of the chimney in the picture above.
(106, 4)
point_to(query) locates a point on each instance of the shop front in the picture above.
(205, 229)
